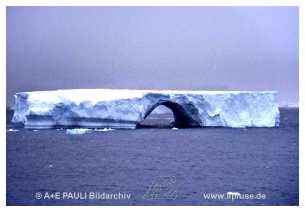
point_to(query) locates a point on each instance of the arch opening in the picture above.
(159, 117)
(176, 116)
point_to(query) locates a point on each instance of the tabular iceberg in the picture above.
(100, 108)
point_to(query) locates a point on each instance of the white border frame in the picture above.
(4, 3)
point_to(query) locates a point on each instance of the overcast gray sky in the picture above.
(192, 48)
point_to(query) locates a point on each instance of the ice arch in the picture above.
(97, 108)
(183, 117)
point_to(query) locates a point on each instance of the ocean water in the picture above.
(155, 165)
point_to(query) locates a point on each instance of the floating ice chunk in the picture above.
(12, 130)
(104, 130)
(175, 128)
(78, 131)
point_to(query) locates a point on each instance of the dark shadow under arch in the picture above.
(182, 117)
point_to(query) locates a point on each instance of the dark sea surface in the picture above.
(154, 164)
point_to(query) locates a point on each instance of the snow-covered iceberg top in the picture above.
(100, 108)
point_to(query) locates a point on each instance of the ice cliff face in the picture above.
(99, 108)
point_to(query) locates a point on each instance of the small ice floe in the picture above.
(12, 130)
(175, 128)
(35, 130)
(104, 130)
(77, 131)
(50, 166)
